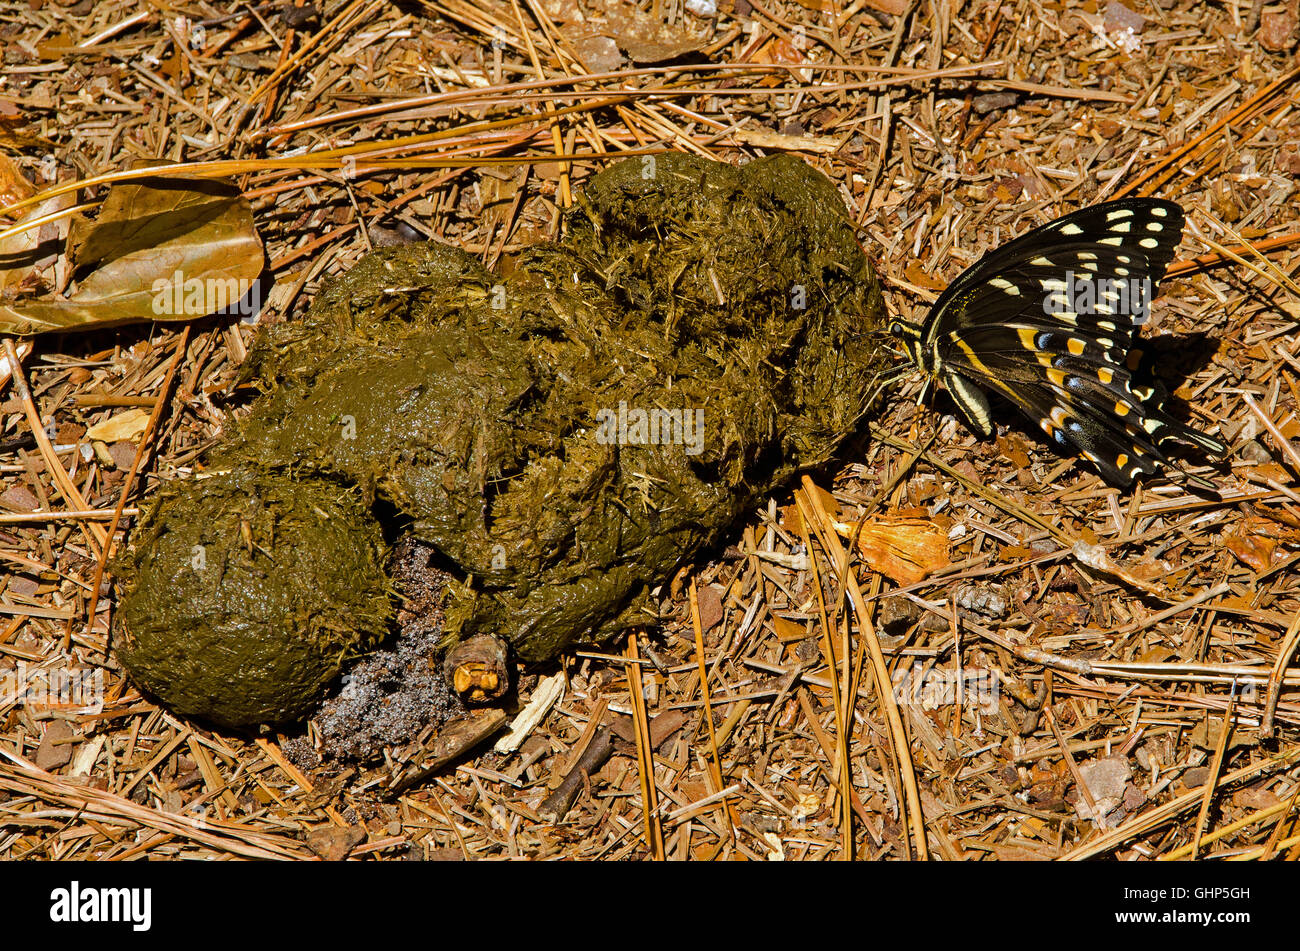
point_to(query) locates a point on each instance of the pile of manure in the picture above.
(564, 434)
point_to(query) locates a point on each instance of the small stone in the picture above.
(1119, 17)
(335, 843)
(599, 53)
(1277, 31)
(988, 102)
(1196, 776)
(19, 499)
(989, 600)
(55, 749)
(123, 454)
(445, 854)
(1106, 778)
(1255, 453)
(1288, 161)
(710, 602)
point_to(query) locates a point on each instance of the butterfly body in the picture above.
(1050, 321)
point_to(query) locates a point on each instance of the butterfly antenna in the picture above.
(1199, 482)
(888, 378)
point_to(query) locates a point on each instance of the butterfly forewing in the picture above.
(1049, 321)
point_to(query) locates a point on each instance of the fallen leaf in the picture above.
(12, 138)
(14, 186)
(126, 425)
(160, 249)
(915, 274)
(906, 550)
(895, 8)
(1255, 541)
(1254, 552)
(788, 630)
(1095, 557)
(647, 40)
(25, 255)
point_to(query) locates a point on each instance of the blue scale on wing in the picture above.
(1002, 352)
(1122, 451)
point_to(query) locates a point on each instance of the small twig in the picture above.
(1212, 780)
(95, 535)
(1283, 443)
(645, 756)
(1277, 675)
(557, 805)
(884, 686)
(716, 763)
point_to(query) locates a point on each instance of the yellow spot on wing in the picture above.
(1075, 346)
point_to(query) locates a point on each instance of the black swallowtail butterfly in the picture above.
(1050, 322)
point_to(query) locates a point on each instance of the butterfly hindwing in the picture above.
(1050, 320)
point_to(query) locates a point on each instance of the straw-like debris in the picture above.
(1092, 674)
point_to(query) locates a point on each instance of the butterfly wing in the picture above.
(1049, 320)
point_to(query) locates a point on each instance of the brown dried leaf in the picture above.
(12, 138)
(159, 250)
(915, 273)
(126, 425)
(647, 40)
(1014, 448)
(906, 550)
(1255, 541)
(788, 630)
(894, 8)
(25, 255)
(1093, 555)
(13, 185)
